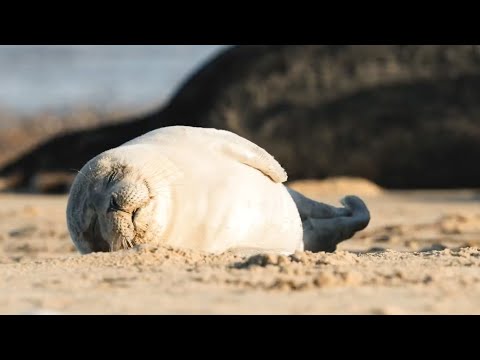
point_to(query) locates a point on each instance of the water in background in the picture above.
(104, 77)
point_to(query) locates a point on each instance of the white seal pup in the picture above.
(202, 189)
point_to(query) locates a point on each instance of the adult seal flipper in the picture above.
(325, 226)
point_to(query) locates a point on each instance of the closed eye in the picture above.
(94, 224)
(92, 227)
(111, 178)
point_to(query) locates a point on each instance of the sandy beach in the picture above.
(400, 116)
(419, 255)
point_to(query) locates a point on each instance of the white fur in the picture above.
(210, 190)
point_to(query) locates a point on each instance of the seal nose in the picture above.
(125, 200)
(114, 206)
(129, 197)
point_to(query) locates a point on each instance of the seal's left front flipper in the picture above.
(250, 154)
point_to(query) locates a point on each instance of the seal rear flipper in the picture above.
(324, 234)
(310, 208)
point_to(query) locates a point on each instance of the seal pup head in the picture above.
(120, 199)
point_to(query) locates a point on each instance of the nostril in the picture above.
(128, 198)
(113, 206)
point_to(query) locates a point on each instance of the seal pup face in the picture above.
(113, 206)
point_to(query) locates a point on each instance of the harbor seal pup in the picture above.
(203, 189)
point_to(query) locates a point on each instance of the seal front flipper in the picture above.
(223, 141)
(250, 154)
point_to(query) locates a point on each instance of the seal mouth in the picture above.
(123, 239)
(126, 226)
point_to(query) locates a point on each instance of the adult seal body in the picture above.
(203, 189)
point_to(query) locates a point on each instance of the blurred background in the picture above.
(59, 78)
(401, 116)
